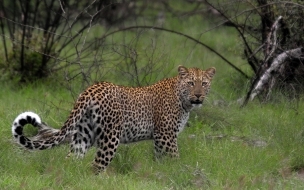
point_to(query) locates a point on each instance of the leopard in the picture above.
(106, 115)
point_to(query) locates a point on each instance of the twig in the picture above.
(61, 6)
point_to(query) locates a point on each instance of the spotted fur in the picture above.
(106, 115)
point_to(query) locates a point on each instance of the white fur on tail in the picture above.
(24, 116)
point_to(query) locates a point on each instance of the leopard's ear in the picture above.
(211, 72)
(182, 71)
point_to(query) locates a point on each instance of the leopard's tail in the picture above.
(47, 137)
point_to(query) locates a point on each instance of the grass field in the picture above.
(225, 147)
(259, 146)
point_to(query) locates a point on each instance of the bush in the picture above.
(25, 63)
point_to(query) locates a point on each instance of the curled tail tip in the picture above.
(23, 119)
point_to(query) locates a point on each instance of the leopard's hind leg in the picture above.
(83, 138)
(108, 139)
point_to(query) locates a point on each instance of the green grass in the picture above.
(225, 147)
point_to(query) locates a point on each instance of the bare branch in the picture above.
(272, 45)
(241, 33)
(273, 69)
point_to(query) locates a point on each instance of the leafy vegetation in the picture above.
(259, 146)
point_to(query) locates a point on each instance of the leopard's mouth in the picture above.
(196, 102)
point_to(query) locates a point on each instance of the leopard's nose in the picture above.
(197, 95)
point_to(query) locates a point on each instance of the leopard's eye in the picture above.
(191, 83)
(204, 83)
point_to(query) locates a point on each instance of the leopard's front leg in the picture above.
(165, 143)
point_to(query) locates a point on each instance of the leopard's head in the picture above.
(195, 84)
